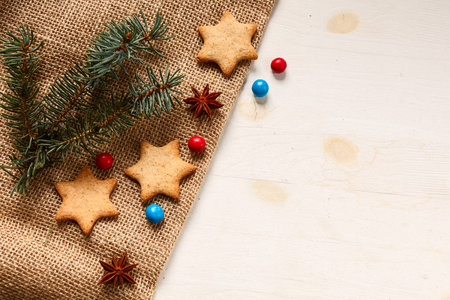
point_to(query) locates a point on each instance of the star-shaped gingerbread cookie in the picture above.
(86, 199)
(160, 170)
(227, 43)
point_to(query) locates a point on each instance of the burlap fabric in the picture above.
(67, 267)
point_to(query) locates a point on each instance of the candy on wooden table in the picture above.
(260, 88)
(278, 65)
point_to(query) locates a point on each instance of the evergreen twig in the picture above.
(96, 127)
(21, 110)
(68, 93)
(123, 41)
(154, 95)
(75, 115)
(21, 64)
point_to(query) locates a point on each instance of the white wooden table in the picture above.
(339, 186)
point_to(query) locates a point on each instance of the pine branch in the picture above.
(20, 108)
(111, 117)
(68, 93)
(76, 116)
(22, 112)
(154, 95)
(123, 41)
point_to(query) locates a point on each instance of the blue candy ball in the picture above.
(154, 213)
(260, 88)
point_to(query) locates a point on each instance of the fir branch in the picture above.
(28, 166)
(111, 117)
(78, 115)
(67, 94)
(123, 41)
(154, 95)
(22, 112)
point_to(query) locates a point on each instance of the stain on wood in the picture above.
(343, 23)
(252, 111)
(269, 191)
(340, 150)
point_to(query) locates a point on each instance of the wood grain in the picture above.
(366, 217)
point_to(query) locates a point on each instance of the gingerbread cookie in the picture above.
(227, 43)
(86, 199)
(160, 170)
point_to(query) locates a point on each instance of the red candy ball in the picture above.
(278, 65)
(104, 161)
(196, 143)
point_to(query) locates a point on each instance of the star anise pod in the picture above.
(204, 102)
(117, 271)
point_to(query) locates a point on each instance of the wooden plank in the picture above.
(339, 186)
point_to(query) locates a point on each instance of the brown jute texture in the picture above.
(68, 266)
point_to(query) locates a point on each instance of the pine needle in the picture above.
(48, 234)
